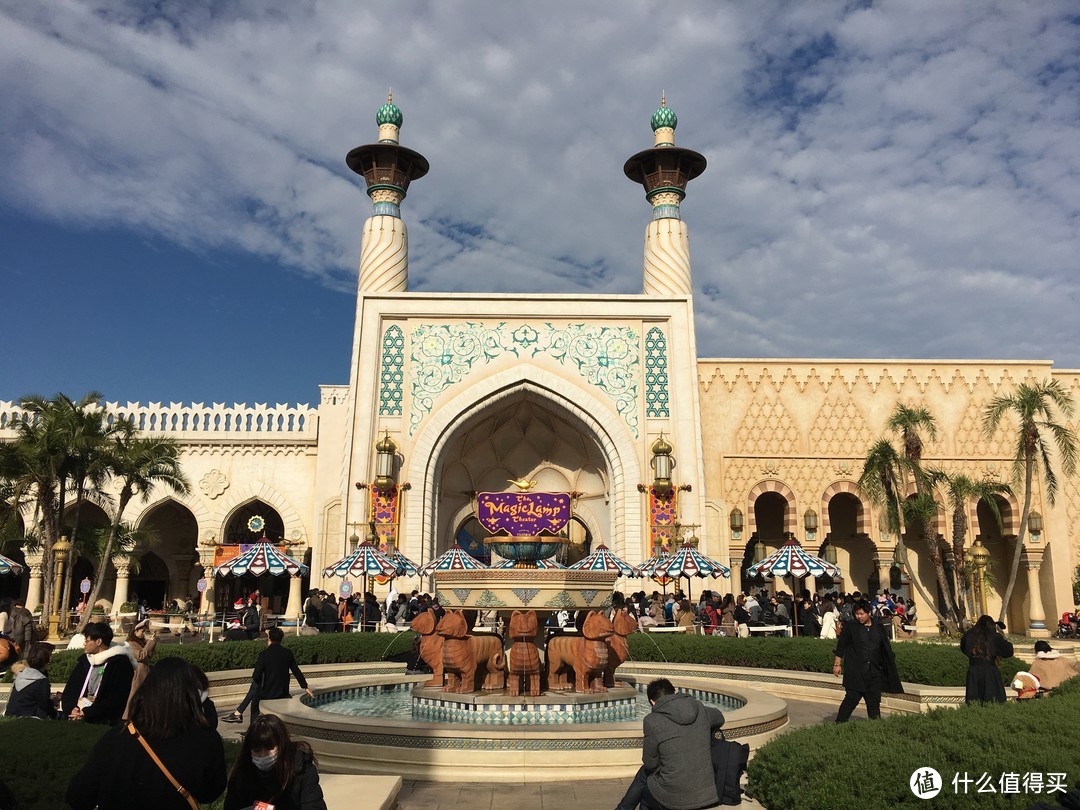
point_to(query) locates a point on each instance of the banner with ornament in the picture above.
(384, 514)
(663, 513)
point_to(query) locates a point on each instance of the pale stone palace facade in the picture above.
(572, 392)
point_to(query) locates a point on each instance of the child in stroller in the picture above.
(1068, 625)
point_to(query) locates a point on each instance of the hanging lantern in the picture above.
(810, 521)
(736, 521)
(759, 551)
(385, 455)
(662, 464)
(828, 553)
(1035, 524)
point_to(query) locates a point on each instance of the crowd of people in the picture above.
(162, 748)
(815, 615)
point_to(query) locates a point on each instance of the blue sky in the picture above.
(894, 180)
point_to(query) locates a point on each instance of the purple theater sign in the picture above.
(523, 513)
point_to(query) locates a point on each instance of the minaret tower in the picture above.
(388, 168)
(665, 170)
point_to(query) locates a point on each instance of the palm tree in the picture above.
(884, 477)
(36, 467)
(911, 424)
(88, 430)
(1033, 404)
(140, 463)
(961, 491)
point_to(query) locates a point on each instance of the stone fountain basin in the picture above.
(525, 589)
(453, 752)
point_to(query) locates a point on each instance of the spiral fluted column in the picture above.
(667, 258)
(384, 255)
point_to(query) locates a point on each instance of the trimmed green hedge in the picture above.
(41, 756)
(329, 648)
(929, 664)
(869, 764)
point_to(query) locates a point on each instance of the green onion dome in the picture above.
(664, 117)
(389, 114)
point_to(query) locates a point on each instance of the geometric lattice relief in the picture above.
(840, 429)
(970, 442)
(391, 375)
(767, 428)
(656, 374)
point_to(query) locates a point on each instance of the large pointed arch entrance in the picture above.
(525, 429)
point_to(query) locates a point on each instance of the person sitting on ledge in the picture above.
(1050, 667)
(677, 769)
(98, 687)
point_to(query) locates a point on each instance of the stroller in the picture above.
(1067, 626)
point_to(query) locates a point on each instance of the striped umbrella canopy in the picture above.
(790, 560)
(405, 566)
(657, 560)
(9, 566)
(261, 558)
(454, 558)
(542, 565)
(687, 561)
(602, 559)
(365, 561)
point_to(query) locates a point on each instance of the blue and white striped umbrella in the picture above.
(790, 560)
(365, 561)
(602, 559)
(454, 558)
(687, 561)
(405, 566)
(261, 558)
(9, 566)
(543, 565)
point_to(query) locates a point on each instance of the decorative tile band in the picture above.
(656, 374)
(392, 375)
(443, 355)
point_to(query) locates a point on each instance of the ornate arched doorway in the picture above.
(521, 437)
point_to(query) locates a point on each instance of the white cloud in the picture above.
(894, 180)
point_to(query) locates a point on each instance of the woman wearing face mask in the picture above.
(165, 746)
(272, 768)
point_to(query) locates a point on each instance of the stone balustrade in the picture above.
(197, 421)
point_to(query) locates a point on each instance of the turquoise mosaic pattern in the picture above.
(517, 714)
(526, 595)
(392, 374)
(656, 374)
(443, 355)
(560, 600)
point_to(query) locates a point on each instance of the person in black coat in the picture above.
(270, 678)
(30, 695)
(869, 665)
(98, 688)
(983, 644)
(165, 711)
(273, 768)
